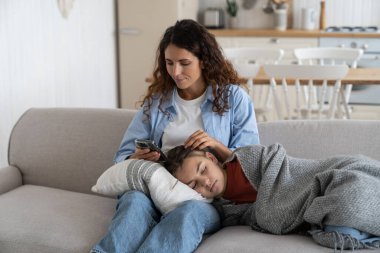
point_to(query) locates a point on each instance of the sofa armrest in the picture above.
(10, 178)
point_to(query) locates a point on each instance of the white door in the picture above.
(141, 26)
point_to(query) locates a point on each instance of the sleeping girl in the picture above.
(336, 199)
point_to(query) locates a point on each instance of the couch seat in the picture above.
(243, 239)
(38, 219)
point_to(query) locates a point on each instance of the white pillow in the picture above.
(165, 190)
(113, 181)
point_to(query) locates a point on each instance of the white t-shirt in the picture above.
(187, 121)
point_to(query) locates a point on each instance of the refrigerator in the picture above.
(141, 24)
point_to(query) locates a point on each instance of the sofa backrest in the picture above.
(67, 148)
(323, 138)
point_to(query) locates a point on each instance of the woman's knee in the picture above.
(196, 206)
(198, 212)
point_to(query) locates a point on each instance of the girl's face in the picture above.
(185, 69)
(203, 173)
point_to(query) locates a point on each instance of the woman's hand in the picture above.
(145, 154)
(200, 140)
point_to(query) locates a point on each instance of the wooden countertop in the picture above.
(359, 76)
(288, 33)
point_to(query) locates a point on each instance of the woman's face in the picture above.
(185, 69)
(202, 173)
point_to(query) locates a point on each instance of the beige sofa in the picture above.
(56, 155)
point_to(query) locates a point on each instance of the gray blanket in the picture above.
(342, 191)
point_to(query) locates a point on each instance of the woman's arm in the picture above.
(139, 128)
(244, 129)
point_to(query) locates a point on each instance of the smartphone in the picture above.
(143, 143)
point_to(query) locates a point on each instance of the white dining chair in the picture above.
(299, 74)
(260, 94)
(327, 56)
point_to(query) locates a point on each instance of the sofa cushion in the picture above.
(243, 239)
(37, 219)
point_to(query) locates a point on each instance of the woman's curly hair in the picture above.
(217, 71)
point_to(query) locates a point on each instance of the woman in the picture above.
(192, 101)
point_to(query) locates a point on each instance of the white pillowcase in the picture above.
(165, 190)
(113, 181)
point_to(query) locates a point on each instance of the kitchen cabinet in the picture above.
(285, 43)
(141, 25)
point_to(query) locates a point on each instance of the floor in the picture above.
(366, 112)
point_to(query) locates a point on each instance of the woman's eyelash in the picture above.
(182, 63)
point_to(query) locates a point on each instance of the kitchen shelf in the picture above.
(288, 33)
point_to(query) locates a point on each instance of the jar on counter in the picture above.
(281, 17)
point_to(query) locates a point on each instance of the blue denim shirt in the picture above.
(236, 128)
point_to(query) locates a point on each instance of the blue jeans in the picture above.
(138, 226)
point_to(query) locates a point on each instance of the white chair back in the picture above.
(329, 56)
(254, 55)
(245, 58)
(245, 70)
(298, 73)
(306, 72)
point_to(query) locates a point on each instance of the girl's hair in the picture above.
(177, 155)
(217, 71)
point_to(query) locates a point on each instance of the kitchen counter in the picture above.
(289, 33)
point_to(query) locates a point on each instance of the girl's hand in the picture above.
(145, 154)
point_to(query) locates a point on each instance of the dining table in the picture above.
(355, 76)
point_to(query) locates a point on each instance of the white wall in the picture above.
(353, 12)
(343, 12)
(49, 61)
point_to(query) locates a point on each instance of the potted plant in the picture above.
(232, 10)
